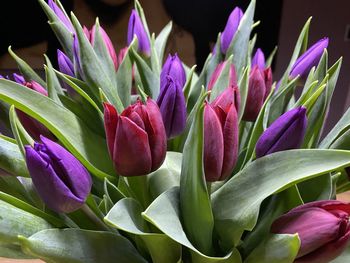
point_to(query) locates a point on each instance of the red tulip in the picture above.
(220, 136)
(136, 138)
(218, 71)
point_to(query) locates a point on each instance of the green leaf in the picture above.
(60, 246)
(92, 68)
(276, 249)
(190, 79)
(162, 39)
(222, 81)
(243, 91)
(126, 216)
(88, 147)
(11, 159)
(167, 176)
(236, 211)
(149, 80)
(14, 222)
(103, 55)
(25, 69)
(64, 36)
(299, 48)
(52, 78)
(269, 60)
(194, 199)
(323, 191)
(164, 213)
(240, 43)
(124, 79)
(12, 251)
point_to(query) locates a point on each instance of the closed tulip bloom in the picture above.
(309, 59)
(61, 16)
(135, 27)
(230, 29)
(65, 65)
(256, 95)
(218, 71)
(60, 179)
(227, 97)
(136, 138)
(18, 78)
(107, 41)
(259, 59)
(172, 105)
(323, 228)
(220, 140)
(268, 81)
(173, 67)
(285, 133)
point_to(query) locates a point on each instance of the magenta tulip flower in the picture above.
(136, 138)
(60, 179)
(218, 71)
(220, 137)
(323, 228)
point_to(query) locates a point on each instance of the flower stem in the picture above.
(94, 218)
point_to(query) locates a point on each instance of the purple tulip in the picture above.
(173, 67)
(19, 78)
(61, 180)
(285, 133)
(256, 94)
(136, 138)
(218, 71)
(322, 226)
(220, 137)
(172, 105)
(259, 59)
(230, 29)
(309, 59)
(135, 27)
(61, 16)
(65, 65)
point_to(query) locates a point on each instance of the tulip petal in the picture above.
(230, 28)
(110, 123)
(50, 187)
(256, 93)
(156, 134)
(132, 155)
(68, 169)
(227, 97)
(173, 67)
(268, 81)
(230, 134)
(135, 27)
(213, 145)
(312, 235)
(287, 132)
(259, 59)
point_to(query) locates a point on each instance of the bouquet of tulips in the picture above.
(119, 157)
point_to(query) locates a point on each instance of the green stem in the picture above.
(87, 210)
(139, 187)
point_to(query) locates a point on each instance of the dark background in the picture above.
(197, 23)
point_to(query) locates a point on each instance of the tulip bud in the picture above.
(32, 126)
(230, 29)
(61, 180)
(220, 138)
(309, 59)
(61, 16)
(172, 105)
(227, 97)
(65, 65)
(173, 67)
(135, 27)
(218, 71)
(323, 228)
(268, 81)
(136, 138)
(285, 133)
(259, 59)
(256, 95)
(108, 43)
